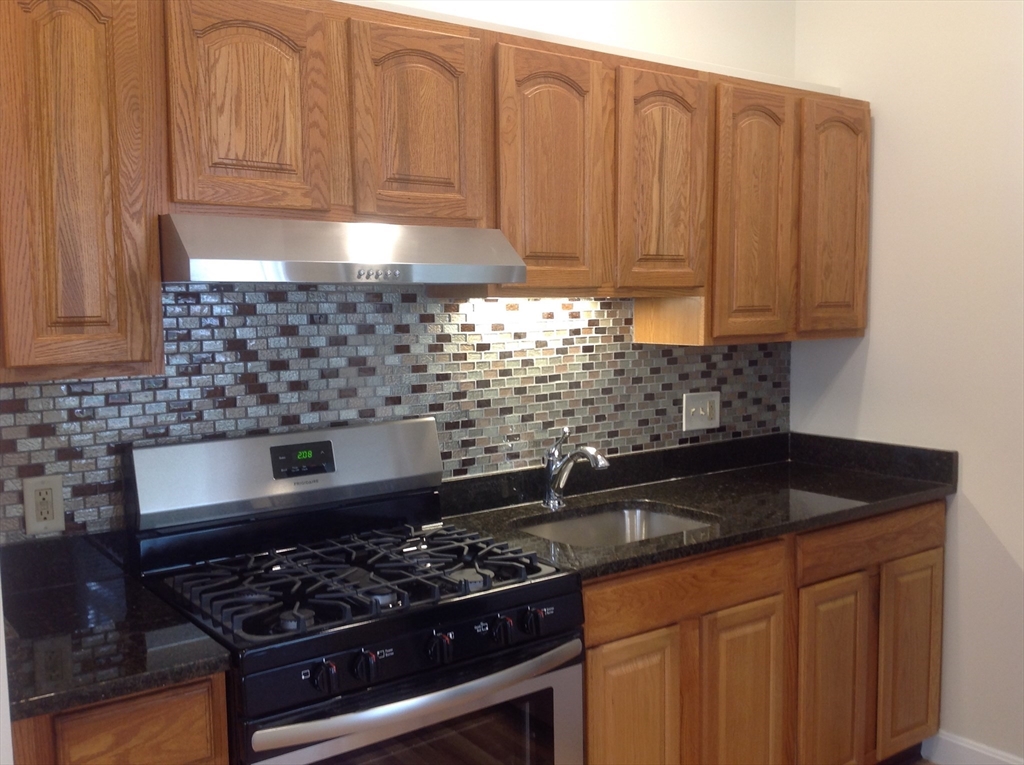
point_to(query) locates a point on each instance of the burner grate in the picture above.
(325, 584)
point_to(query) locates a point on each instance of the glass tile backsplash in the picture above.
(500, 375)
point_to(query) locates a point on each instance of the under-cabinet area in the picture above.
(822, 647)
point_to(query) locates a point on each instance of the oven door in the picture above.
(528, 712)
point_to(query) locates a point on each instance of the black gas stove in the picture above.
(319, 559)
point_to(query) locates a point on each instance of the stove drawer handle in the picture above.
(335, 727)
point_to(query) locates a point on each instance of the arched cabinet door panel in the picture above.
(79, 265)
(834, 215)
(755, 216)
(248, 90)
(663, 190)
(555, 149)
(417, 122)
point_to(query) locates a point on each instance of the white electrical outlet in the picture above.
(701, 410)
(44, 504)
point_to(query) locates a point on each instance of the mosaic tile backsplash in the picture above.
(500, 375)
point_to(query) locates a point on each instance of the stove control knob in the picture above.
(441, 648)
(502, 630)
(366, 667)
(533, 621)
(325, 677)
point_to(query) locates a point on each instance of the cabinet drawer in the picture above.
(843, 549)
(635, 603)
(184, 724)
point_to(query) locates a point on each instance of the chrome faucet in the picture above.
(559, 466)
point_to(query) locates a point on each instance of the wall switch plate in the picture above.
(44, 504)
(701, 410)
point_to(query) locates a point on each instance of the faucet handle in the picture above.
(556, 448)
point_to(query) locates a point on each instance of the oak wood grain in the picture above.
(185, 724)
(633, 693)
(743, 679)
(909, 651)
(663, 189)
(555, 165)
(835, 151)
(853, 546)
(755, 211)
(79, 283)
(833, 671)
(248, 85)
(417, 119)
(642, 601)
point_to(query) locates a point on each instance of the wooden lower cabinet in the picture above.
(870, 636)
(909, 651)
(633, 694)
(182, 725)
(742, 679)
(823, 647)
(833, 670)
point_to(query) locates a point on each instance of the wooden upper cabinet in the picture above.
(416, 122)
(834, 215)
(555, 150)
(755, 212)
(663, 190)
(79, 263)
(248, 89)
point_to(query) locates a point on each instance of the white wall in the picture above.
(750, 35)
(942, 364)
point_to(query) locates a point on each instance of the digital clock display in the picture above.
(301, 460)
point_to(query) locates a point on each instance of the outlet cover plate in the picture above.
(701, 411)
(30, 487)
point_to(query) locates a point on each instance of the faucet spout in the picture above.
(559, 467)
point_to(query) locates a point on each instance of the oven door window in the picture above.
(516, 732)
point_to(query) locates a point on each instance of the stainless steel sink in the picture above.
(620, 523)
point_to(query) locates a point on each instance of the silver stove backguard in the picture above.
(207, 481)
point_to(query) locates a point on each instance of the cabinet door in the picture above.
(755, 212)
(633, 700)
(742, 669)
(663, 187)
(909, 651)
(833, 671)
(555, 150)
(834, 215)
(80, 121)
(417, 122)
(249, 104)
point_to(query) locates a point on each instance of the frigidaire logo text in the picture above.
(308, 481)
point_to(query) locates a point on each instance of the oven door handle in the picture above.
(334, 727)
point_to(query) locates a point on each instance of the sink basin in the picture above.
(620, 523)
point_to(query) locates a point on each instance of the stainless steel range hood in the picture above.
(219, 248)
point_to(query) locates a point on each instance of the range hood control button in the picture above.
(360, 273)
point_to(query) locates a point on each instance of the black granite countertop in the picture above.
(804, 482)
(79, 630)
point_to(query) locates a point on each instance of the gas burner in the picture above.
(472, 580)
(296, 620)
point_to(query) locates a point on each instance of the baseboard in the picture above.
(949, 749)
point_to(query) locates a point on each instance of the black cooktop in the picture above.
(279, 595)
